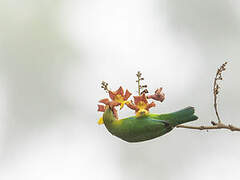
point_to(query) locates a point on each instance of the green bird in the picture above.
(146, 126)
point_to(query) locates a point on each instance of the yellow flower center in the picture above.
(142, 112)
(142, 109)
(142, 105)
(118, 98)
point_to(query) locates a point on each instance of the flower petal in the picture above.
(120, 91)
(121, 106)
(158, 91)
(127, 95)
(112, 95)
(115, 112)
(152, 104)
(161, 97)
(105, 101)
(112, 104)
(137, 99)
(144, 99)
(101, 108)
(158, 96)
(132, 106)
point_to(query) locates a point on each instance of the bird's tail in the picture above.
(179, 117)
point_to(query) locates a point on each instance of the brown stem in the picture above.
(217, 126)
(215, 93)
(139, 87)
(139, 74)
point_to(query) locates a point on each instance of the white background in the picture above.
(54, 55)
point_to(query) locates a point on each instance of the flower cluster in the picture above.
(140, 104)
(118, 98)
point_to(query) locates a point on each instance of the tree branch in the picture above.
(219, 124)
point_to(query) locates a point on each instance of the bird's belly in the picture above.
(139, 134)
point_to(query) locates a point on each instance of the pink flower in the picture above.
(158, 96)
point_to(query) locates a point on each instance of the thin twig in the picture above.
(216, 88)
(140, 78)
(105, 86)
(139, 74)
(219, 124)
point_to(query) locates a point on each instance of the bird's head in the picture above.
(108, 116)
